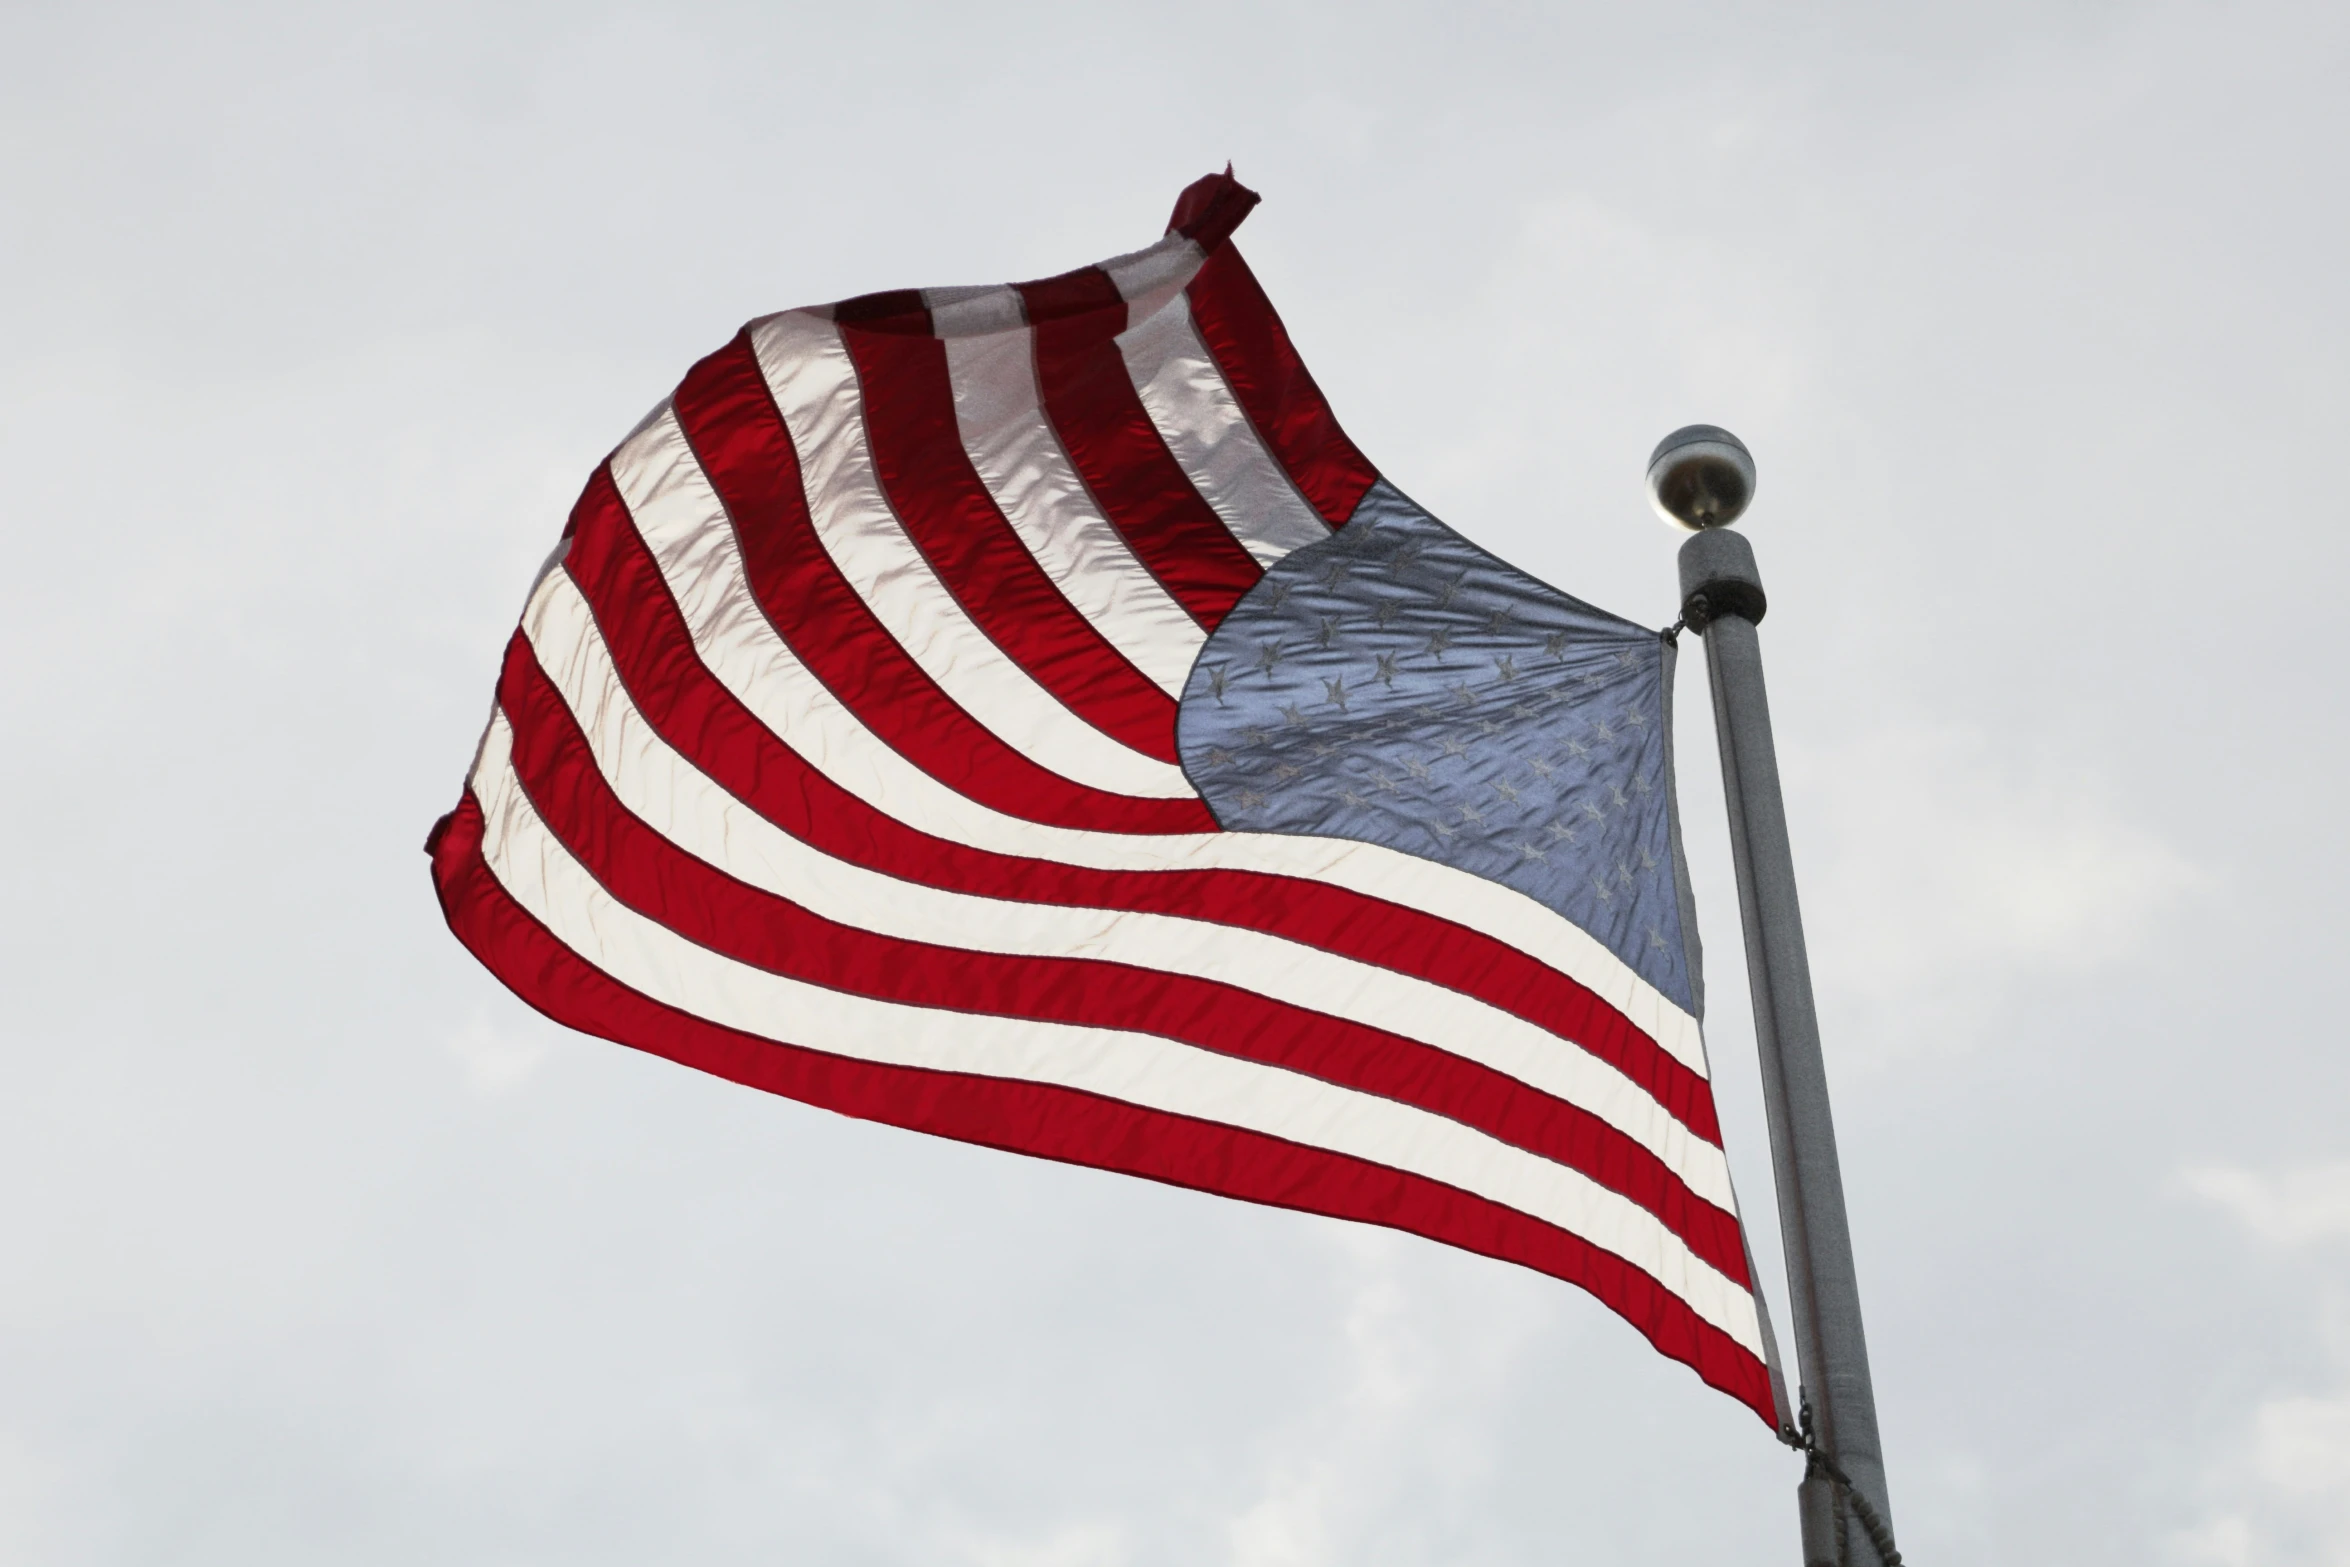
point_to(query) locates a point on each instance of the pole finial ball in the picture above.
(1701, 476)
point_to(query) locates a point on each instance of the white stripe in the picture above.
(1021, 461)
(735, 641)
(665, 790)
(1148, 278)
(815, 386)
(1210, 435)
(1144, 279)
(1136, 1069)
(959, 312)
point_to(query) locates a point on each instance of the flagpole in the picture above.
(1702, 477)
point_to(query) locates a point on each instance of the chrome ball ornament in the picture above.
(1701, 476)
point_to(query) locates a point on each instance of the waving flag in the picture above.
(1021, 714)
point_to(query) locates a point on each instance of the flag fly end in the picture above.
(1210, 208)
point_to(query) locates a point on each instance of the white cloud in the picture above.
(2288, 1209)
(1289, 1526)
(2284, 1489)
(1407, 1413)
(1342, 125)
(1072, 1545)
(2301, 1446)
(495, 1060)
(1946, 863)
(33, 1502)
(2225, 1541)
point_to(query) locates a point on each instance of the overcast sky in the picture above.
(317, 1246)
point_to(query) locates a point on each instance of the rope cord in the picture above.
(1816, 1460)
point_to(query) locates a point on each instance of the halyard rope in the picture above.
(1879, 1532)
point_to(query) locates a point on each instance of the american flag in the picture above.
(1022, 715)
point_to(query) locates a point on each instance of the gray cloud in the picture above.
(321, 1248)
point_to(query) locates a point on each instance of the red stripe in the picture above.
(730, 419)
(650, 874)
(1090, 398)
(1262, 367)
(1062, 1124)
(918, 452)
(704, 721)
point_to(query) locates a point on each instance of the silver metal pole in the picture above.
(1722, 598)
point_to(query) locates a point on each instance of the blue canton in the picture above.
(1396, 685)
